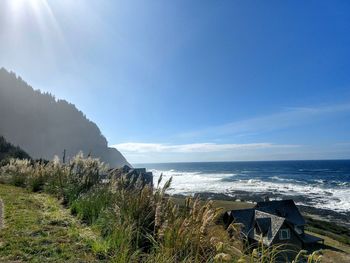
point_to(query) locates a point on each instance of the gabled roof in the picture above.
(244, 217)
(263, 224)
(270, 222)
(257, 224)
(282, 208)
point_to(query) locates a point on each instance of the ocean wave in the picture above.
(315, 170)
(320, 181)
(341, 184)
(284, 179)
(319, 195)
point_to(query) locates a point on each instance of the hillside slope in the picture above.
(44, 126)
(38, 229)
(7, 151)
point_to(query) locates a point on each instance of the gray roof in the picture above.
(283, 208)
(265, 220)
(132, 174)
(263, 224)
(309, 239)
(140, 170)
(270, 223)
(257, 224)
(244, 217)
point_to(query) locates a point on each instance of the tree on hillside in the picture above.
(8, 151)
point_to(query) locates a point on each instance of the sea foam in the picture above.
(318, 194)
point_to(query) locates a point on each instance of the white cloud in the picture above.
(137, 152)
(134, 147)
(276, 121)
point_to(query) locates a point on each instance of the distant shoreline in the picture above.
(341, 218)
(321, 188)
(243, 161)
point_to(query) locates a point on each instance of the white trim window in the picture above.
(284, 234)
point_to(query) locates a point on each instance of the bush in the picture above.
(38, 177)
(89, 206)
(16, 172)
(83, 174)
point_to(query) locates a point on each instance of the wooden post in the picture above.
(64, 156)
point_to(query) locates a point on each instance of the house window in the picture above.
(284, 234)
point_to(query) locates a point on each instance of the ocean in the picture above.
(319, 184)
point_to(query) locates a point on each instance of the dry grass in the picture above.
(331, 256)
(334, 250)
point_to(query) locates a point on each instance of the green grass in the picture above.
(336, 232)
(38, 229)
(226, 205)
(335, 251)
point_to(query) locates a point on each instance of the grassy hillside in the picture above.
(131, 221)
(339, 233)
(333, 250)
(38, 229)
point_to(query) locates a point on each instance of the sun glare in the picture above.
(35, 14)
(21, 5)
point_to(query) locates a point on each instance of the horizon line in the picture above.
(248, 161)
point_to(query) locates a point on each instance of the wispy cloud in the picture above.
(276, 121)
(254, 149)
(133, 147)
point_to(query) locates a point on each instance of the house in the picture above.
(273, 223)
(131, 174)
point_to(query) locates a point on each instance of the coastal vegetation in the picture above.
(127, 221)
(38, 229)
(8, 151)
(335, 231)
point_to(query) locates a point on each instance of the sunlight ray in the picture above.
(40, 13)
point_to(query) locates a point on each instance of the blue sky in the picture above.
(193, 80)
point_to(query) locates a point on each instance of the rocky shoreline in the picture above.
(340, 218)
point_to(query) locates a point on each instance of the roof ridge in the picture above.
(272, 215)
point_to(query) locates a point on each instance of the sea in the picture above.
(320, 184)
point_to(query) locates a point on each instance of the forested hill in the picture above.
(8, 150)
(44, 126)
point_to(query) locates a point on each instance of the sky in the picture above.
(175, 81)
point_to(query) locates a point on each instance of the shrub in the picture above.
(38, 177)
(83, 174)
(16, 172)
(89, 206)
(129, 220)
(57, 177)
